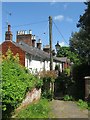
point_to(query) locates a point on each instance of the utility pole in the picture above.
(50, 42)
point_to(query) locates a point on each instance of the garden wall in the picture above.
(31, 97)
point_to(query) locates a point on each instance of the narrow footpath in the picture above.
(67, 109)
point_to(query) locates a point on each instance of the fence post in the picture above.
(87, 88)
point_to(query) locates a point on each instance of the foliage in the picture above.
(66, 52)
(48, 75)
(82, 104)
(36, 110)
(67, 71)
(48, 81)
(80, 44)
(89, 105)
(64, 82)
(16, 81)
(80, 41)
(84, 21)
(47, 94)
(68, 98)
(78, 74)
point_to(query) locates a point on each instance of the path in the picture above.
(67, 109)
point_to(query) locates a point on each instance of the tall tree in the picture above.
(66, 52)
(84, 21)
(80, 41)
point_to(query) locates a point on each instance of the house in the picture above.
(30, 53)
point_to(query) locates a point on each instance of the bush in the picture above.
(67, 71)
(47, 95)
(78, 74)
(82, 104)
(68, 98)
(48, 81)
(48, 75)
(16, 81)
(65, 82)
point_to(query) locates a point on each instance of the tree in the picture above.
(66, 52)
(80, 41)
(80, 44)
(84, 21)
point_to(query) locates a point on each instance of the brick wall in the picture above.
(65, 65)
(31, 97)
(25, 38)
(14, 49)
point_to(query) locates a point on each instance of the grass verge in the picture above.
(36, 110)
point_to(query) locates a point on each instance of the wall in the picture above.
(9, 44)
(47, 65)
(31, 97)
(25, 38)
(34, 64)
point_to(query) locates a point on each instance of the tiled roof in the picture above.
(39, 53)
(33, 51)
(62, 59)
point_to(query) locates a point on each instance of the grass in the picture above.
(82, 104)
(36, 110)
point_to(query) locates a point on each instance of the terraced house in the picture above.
(31, 54)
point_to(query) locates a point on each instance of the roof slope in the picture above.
(37, 52)
(33, 51)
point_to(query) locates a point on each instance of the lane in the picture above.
(67, 109)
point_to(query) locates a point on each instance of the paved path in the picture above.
(67, 109)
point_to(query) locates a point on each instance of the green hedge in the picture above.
(78, 74)
(16, 81)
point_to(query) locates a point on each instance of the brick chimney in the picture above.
(46, 48)
(8, 34)
(24, 36)
(33, 40)
(39, 44)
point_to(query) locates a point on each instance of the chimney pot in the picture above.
(34, 37)
(9, 28)
(30, 32)
(39, 44)
(8, 34)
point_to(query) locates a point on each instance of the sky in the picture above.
(35, 16)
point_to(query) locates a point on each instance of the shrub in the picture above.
(16, 81)
(65, 82)
(48, 80)
(78, 74)
(89, 106)
(48, 75)
(67, 71)
(82, 104)
(47, 94)
(68, 98)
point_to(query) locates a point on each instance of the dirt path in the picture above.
(67, 109)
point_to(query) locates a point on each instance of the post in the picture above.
(50, 42)
(87, 88)
(51, 56)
